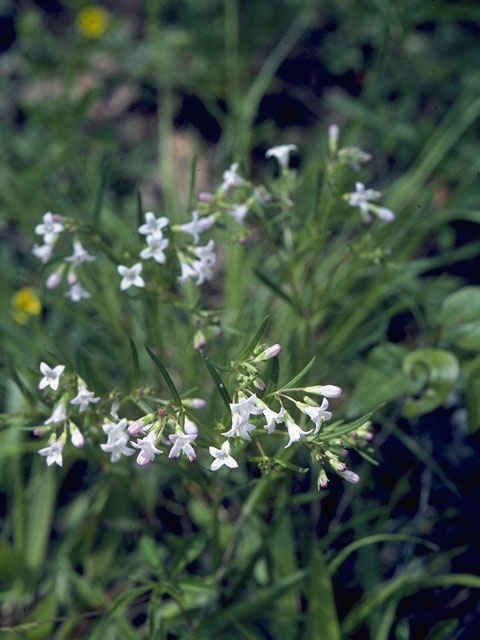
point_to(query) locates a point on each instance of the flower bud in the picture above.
(204, 196)
(333, 133)
(197, 403)
(327, 390)
(76, 437)
(350, 476)
(53, 280)
(199, 340)
(259, 384)
(72, 277)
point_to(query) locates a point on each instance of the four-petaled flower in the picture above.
(58, 414)
(295, 433)
(361, 198)
(131, 276)
(51, 377)
(272, 418)
(231, 178)
(318, 414)
(84, 397)
(49, 228)
(77, 293)
(241, 411)
(153, 226)
(238, 212)
(117, 440)
(222, 457)
(43, 251)
(79, 255)
(182, 441)
(147, 447)
(196, 226)
(53, 452)
(281, 153)
(156, 246)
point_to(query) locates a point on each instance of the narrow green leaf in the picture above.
(136, 367)
(273, 374)
(300, 375)
(443, 630)
(254, 341)
(338, 429)
(276, 288)
(140, 219)
(380, 537)
(217, 379)
(100, 195)
(322, 619)
(166, 377)
(281, 463)
(456, 579)
(191, 187)
(39, 519)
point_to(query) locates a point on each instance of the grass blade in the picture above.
(254, 341)
(166, 376)
(217, 379)
(136, 367)
(300, 375)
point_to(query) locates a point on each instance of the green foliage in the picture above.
(101, 550)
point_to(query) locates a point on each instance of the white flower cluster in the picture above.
(118, 431)
(50, 229)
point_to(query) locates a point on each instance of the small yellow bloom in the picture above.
(25, 303)
(92, 21)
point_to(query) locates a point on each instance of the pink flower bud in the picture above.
(76, 437)
(135, 427)
(272, 351)
(57, 218)
(199, 341)
(38, 431)
(204, 196)
(350, 476)
(259, 384)
(53, 280)
(161, 412)
(72, 278)
(198, 403)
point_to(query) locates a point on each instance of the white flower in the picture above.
(76, 436)
(77, 293)
(222, 456)
(196, 226)
(147, 447)
(153, 226)
(43, 251)
(241, 411)
(83, 397)
(137, 426)
(53, 452)
(51, 377)
(360, 198)
(272, 418)
(187, 271)
(58, 414)
(240, 427)
(238, 212)
(49, 228)
(182, 441)
(281, 153)
(318, 414)
(231, 178)
(117, 440)
(131, 276)
(156, 246)
(79, 255)
(295, 433)
(206, 260)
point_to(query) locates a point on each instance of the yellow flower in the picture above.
(92, 21)
(25, 303)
